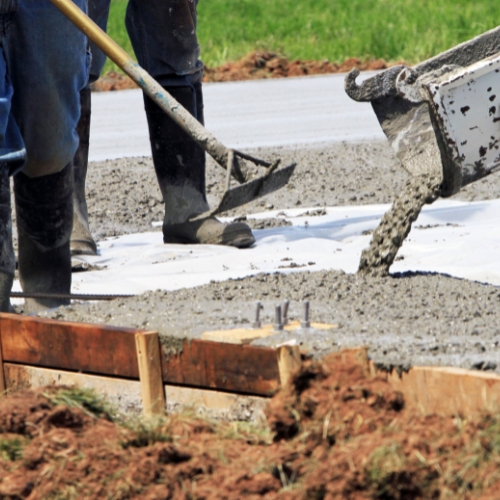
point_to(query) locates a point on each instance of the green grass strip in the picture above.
(410, 30)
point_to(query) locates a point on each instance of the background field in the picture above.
(410, 30)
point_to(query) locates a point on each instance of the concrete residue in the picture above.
(396, 224)
(267, 223)
(171, 346)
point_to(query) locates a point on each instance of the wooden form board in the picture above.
(102, 350)
(111, 351)
(447, 391)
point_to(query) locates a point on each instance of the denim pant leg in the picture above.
(48, 66)
(99, 13)
(12, 151)
(11, 154)
(163, 35)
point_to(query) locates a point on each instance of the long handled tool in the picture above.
(234, 162)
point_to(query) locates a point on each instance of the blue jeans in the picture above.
(163, 36)
(43, 66)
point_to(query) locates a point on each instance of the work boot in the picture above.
(81, 242)
(180, 168)
(7, 257)
(44, 210)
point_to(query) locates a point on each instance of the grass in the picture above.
(410, 30)
(12, 448)
(86, 400)
(145, 432)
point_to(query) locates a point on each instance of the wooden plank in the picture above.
(230, 367)
(447, 391)
(125, 394)
(238, 335)
(82, 347)
(288, 362)
(107, 350)
(150, 374)
(247, 335)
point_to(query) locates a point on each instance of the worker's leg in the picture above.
(44, 219)
(12, 156)
(163, 34)
(7, 257)
(48, 65)
(7, 149)
(81, 241)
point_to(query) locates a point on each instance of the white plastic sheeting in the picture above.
(459, 239)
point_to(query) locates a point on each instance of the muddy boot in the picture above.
(7, 257)
(180, 168)
(44, 210)
(81, 242)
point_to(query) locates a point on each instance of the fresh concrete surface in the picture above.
(421, 317)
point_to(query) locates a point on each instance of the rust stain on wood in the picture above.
(108, 350)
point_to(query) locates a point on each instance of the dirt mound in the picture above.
(256, 65)
(333, 433)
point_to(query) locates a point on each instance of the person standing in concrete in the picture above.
(163, 35)
(43, 66)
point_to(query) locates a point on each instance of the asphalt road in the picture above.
(259, 113)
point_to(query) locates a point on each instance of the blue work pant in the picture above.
(43, 66)
(163, 36)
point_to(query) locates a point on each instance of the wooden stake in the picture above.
(288, 362)
(150, 373)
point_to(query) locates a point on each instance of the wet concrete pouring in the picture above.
(404, 320)
(395, 225)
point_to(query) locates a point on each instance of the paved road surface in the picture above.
(258, 113)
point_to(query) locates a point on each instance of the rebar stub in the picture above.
(278, 323)
(305, 322)
(286, 305)
(257, 323)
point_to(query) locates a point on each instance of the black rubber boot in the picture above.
(82, 242)
(44, 208)
(180, 168)
(7, 257)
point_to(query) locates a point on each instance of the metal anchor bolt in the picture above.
(278, 325)
(286, 305)
(305, 323)
(257, 323)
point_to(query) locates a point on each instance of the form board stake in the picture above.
(288, 362)
(148, 358)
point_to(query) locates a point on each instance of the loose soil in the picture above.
(332, 433)
(253, 66)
